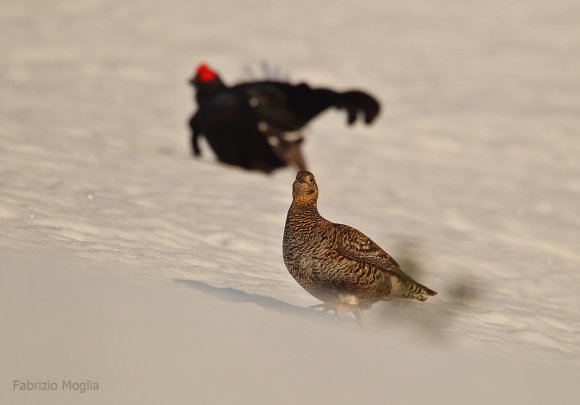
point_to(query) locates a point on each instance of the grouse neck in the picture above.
(305, 209)
(209, 88)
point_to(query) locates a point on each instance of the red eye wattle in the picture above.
(205, 74)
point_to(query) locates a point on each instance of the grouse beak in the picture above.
(302, 175)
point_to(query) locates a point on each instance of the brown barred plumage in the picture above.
(338, 264)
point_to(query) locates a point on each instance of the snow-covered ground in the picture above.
(470, 178)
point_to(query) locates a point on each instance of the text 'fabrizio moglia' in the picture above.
(49, 385)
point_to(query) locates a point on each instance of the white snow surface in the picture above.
(470, 178)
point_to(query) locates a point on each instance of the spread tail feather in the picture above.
(293, 155)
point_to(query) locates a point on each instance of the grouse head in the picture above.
(304, 189)
(206, 79)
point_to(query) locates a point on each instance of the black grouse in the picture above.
(257, 125)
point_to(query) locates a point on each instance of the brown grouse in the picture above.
(338, 264)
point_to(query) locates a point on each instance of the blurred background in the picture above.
(469, 177)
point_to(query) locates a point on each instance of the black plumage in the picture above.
(257, 125)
